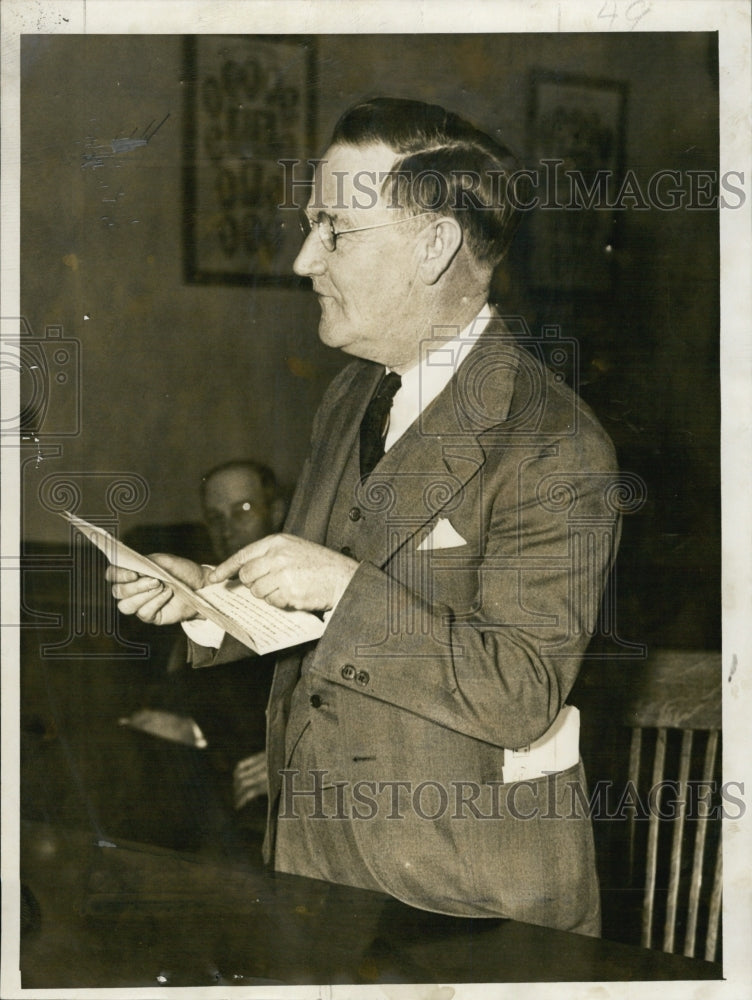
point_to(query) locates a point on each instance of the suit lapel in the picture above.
(426, 469)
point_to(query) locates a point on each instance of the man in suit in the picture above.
(454, 523)
(241, 501)
(214, 722)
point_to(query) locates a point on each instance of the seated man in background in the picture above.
(224, 710)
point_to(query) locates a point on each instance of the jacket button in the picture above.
(315, 700)
(347, 551)
(348, 671)
(362, 677)
(354, 514)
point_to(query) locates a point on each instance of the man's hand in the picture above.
(290, 572)
(151, 600)
(249, 780)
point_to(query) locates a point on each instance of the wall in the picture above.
(176, 377)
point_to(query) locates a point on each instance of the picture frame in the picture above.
(577, 128)
(250, 102)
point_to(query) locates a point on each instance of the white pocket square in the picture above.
(442, 536)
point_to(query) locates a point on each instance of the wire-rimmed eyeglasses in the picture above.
(324, 226)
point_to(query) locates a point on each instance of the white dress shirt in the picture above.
(440, 358)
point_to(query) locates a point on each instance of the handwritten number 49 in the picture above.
(634, 12)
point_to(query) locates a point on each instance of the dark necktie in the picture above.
(375, 422)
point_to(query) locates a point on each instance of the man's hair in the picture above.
(269, 485)
(444, 164)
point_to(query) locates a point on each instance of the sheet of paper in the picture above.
(258, 625)
(270, 627)
(118, 553)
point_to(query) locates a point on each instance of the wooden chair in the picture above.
(674, 711)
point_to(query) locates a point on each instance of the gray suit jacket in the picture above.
(438, 659)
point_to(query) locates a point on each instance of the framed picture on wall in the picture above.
(249, 105)
(576, 141)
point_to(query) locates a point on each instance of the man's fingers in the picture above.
(230, 567)
(114, 574)
(249, 779)
(151, 611)
(139, 603)
(265, 587)
(251, 767)
(185, 570)
(141, 585)
(277, 599)
(259, 576)
(245, 780)
(251, 763)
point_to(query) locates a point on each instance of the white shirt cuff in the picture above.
(203, 632)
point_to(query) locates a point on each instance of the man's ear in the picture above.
(438, 246)
(278, 512)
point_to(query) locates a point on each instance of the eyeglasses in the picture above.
(239, 512)
(324, 226)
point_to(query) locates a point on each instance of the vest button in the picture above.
(348, 671)
(347, 551)
(354, 514)
(315, 700)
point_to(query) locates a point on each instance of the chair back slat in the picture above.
(708, 770)
(676, 844)
(635, 753)
(652, 858)
(715, 907)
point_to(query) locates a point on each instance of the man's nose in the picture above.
(310, 260)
